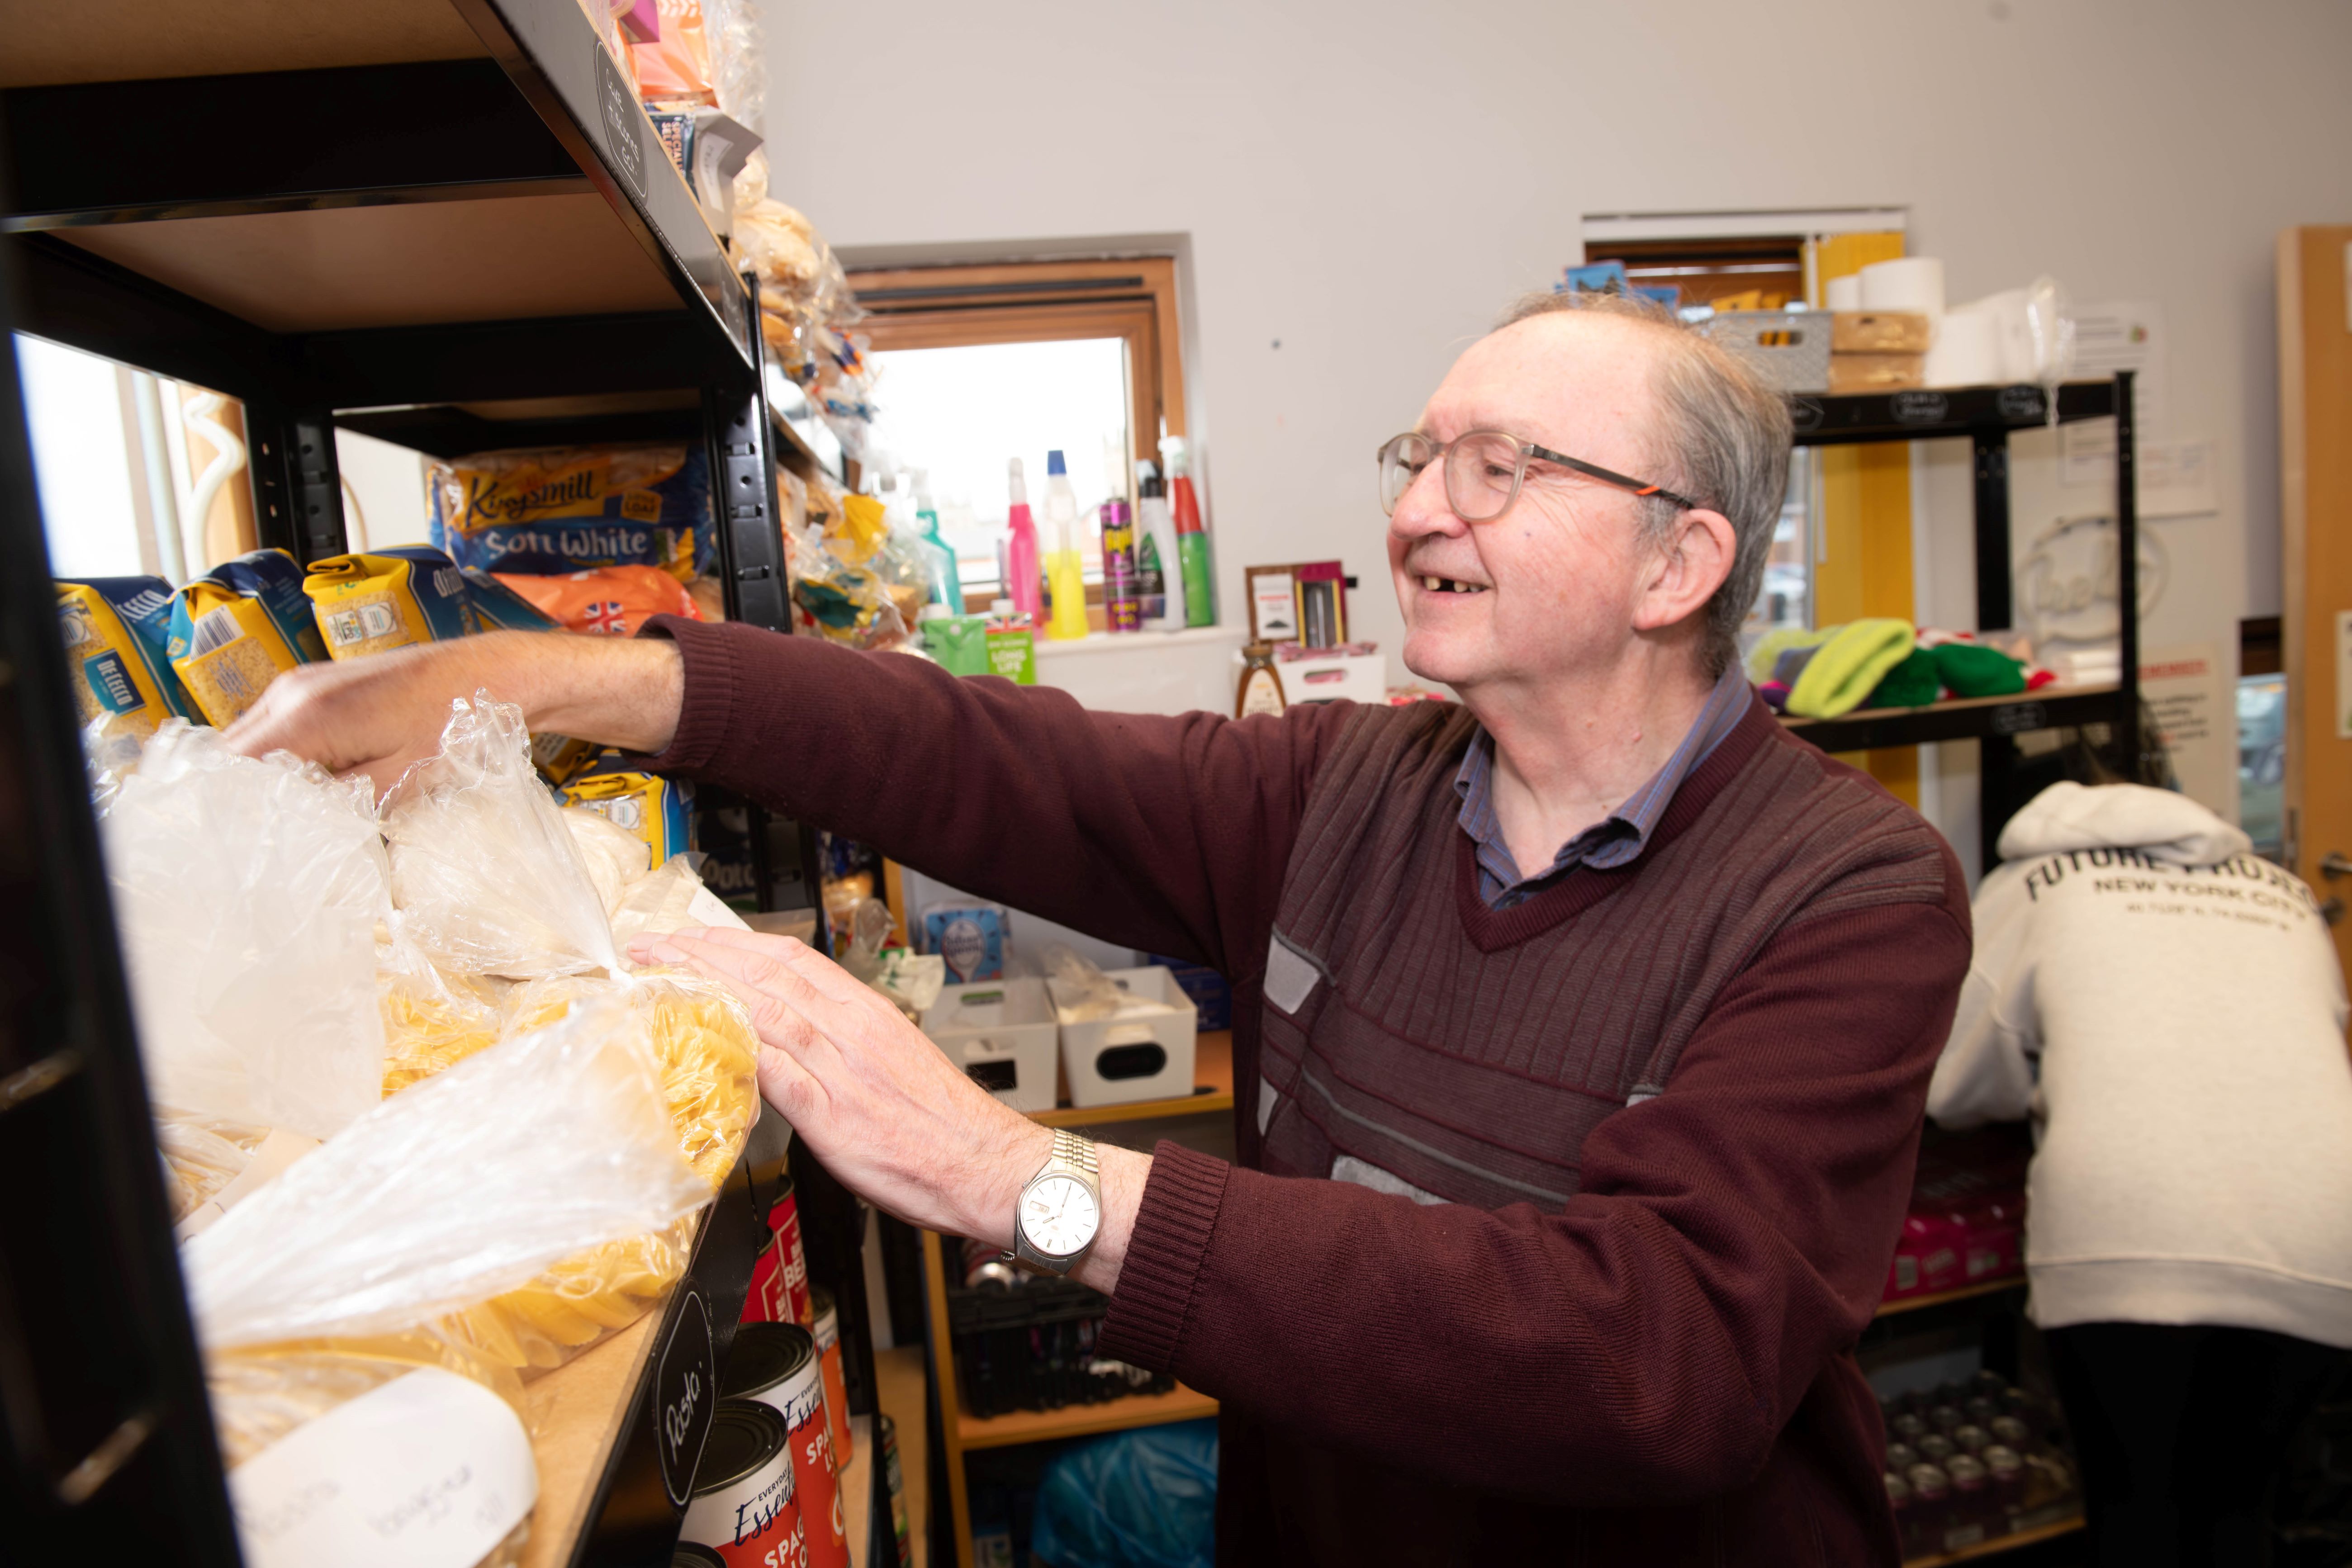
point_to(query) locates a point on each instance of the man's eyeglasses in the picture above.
(1484, 469)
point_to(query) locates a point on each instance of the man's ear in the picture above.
(1683, 577)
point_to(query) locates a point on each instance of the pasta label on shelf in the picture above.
(430, 1470)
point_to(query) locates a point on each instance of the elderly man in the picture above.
(1581, 1030)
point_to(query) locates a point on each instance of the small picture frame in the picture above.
(1272, 595)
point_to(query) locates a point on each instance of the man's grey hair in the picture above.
(1722, 439)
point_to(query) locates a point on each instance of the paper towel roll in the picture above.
(1843, 293)
(1967, 351)
(1911, 283)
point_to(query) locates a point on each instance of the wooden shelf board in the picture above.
(1213, 1067)
(1982, 1288)
(576, 1415)
(136, 40)
(1998, 1544)
(2046, 694)
(410, 264)
(1180, 1403)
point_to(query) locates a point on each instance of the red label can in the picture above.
(828, 1360)
(780, 1285)
(776, 1363)
(746, 1504)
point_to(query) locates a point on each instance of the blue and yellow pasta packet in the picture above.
(500, 608)
(376, 600)
(656, 809)
(115, 631)
(238, 628)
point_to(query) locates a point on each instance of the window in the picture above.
(979, 364)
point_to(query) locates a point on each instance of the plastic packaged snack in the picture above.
(841, 602)
(575, 509)
(703, 1038)
(652, 809)
(389, 598)
(115, 630)
(552, 1143)
(675, 70)
(236, 628)
(486, 878)
(247, 894)
(612, 601)
(429, 1025)
(615, 856)
(201, 1155)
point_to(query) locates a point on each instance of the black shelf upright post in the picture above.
(1995, 753)
(105, 1432)
(2127, 725)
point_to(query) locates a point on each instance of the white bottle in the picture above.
(1161, 576)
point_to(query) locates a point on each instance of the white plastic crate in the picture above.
(1002, 1033)
(1138, 1055)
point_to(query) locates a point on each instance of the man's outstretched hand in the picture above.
(882, 1106)
(379, 714)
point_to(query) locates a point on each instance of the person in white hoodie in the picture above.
(2168, 1010)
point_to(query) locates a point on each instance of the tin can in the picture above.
(686, 1554)
(828, 1360)
(776, 1363)
(780, 1289)
(745, 1506)
(893, 1482)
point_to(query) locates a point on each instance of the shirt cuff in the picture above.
(705, 712)
(1146, 1322)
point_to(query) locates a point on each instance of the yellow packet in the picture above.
(385, 599)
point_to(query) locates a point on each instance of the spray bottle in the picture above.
(1156, 579)
(1021, 572)
(1192, 542)
(1064, 573)
(947, 582)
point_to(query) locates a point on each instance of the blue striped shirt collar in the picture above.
(1610, 842)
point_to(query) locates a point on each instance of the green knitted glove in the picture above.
(1913, 683)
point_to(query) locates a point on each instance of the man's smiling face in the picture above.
(1550, 586)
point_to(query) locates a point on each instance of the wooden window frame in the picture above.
(1132, 298)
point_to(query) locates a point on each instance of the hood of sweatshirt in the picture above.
(2157, 822)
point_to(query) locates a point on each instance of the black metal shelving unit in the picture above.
(446, 223)
(1986, 417)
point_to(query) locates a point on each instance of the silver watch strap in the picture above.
(1075, 1151)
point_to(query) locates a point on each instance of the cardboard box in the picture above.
(1136, 1055)
(1003, 1035)
(1877, 372)
(1879, 333)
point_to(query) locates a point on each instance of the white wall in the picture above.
(1365, 185)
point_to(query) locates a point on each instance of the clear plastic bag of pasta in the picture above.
(486, 877)
(247, 893)
(321, 1300)
(703, 1038)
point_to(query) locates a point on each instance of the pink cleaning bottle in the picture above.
(1021, 567)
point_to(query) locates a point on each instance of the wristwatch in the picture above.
(1060, 1211)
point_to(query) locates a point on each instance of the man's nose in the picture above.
(1423, 509)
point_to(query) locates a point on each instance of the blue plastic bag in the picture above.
(1144, 1499)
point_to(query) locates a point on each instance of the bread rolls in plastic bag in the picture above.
(486, 877)
(247, 894)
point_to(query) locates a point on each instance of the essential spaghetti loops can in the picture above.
(828, 1360)
(779, 1288)
(776, 1363)
(746, 1506)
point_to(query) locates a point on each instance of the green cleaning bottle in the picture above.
(1192, 540)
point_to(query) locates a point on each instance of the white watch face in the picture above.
(1059, 1215)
